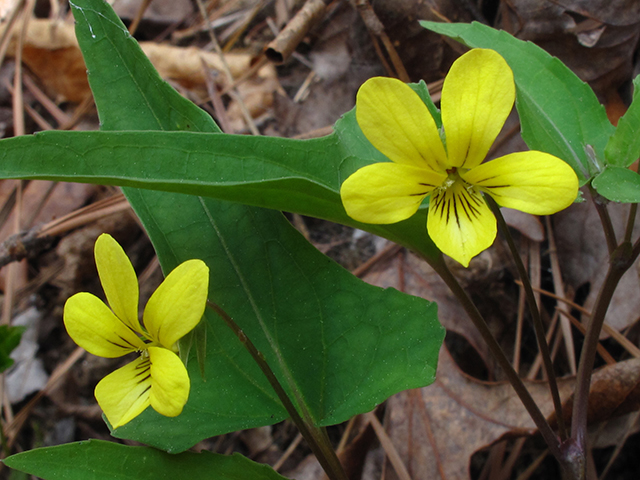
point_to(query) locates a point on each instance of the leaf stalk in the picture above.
(316, 437)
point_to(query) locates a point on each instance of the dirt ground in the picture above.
(469, 424)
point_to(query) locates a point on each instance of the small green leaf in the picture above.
(100, 460)
(618, 184)
(9, 340)
(559, 113)
(624, 146)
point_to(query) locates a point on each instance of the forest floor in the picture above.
(469, 423)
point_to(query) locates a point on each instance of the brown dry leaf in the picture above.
(616, 12)
(583, 254)
(527, 224)
(51, 52)
(615, 431)
(184, 64)
(615, 391)
(257, 94)
(596, 39)
(438, 428)
(64, 198)
(164, 11)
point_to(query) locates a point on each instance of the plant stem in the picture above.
(315, 436)
(525, 397)
(633, 210)
(535, 318)
(635, 250)
(621, 259)
(628, 231)
(605, 219)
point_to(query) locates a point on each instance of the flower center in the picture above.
(454, 178)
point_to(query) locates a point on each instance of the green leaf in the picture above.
(422, 90)
(624, 146)
(256, 170)
(130, 94)
(618, 184)
(99, 460)
(337, 345)
(9, 340)
(278, 173)
(559, 113)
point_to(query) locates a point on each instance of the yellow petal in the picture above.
(397, 122)
(177, 306)
(533, 182)
(169, 382)
(385, 193)
(124, 394)
(118, 280)
(460, 223)
(93, 326)
(477, 96)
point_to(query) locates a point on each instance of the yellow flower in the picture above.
(157, 377)
(477, 96)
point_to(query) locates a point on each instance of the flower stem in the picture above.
(535, 318)
(316, 437)
(476, 317)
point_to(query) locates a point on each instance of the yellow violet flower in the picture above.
(157, 377)
(477, 96)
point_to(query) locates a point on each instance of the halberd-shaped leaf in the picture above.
(337, 345)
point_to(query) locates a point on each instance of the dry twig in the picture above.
(35, 240)
(281, 47)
